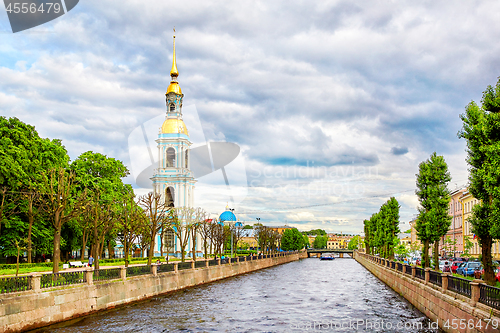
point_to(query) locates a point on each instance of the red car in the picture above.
(454, 266)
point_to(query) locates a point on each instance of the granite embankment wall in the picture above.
(41, 307)
(453, 312)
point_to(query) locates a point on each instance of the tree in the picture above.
(317, 232)
(369, 229)
(198, 217)
(450, 245)
(467, 247)
(102, 177)
(433, 220)
(156, 211)
(24, 157)
(353, 243)
(320, 242)
(481, 128)
(383, 228)
(306, 241)
(400, 249)
(61, 204)
(292, 240)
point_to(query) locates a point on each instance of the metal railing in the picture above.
(184, 265)
(13, 284)
(399, 266)
(408, 269)
(489, 295)
(459, 285)
(23, 283)
(106, 274)
(200, 264)
(165, 268)
(62, 279)
(138, 270)
(419, 273)
(435, 278)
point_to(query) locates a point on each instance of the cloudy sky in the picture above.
(333, 103)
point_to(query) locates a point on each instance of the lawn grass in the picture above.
(25, 271)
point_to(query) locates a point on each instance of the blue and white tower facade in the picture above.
(173, 179)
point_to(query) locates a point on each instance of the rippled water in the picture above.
(293, 297)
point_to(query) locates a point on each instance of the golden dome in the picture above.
(175, 88)
(174, 125)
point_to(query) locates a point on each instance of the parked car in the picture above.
(460, 268)
(469, 268)
(454, 266)
(496, 269)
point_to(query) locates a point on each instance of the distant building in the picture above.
(248, 238)
(281, 229)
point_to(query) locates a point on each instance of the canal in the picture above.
(306, 295)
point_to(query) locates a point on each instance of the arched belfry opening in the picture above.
(170, 196)
(170, 157)
(186, 158)
(172, 107)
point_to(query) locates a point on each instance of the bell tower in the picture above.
(173, 179)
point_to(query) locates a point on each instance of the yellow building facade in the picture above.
(468, 202)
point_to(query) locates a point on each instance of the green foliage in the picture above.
(382, 228)
(353, 243)
(433, 220)
(306, 241)
(481, 130)
(400, 249)
(292, 240)
(317, 232)
(248, 226)
(467, 247)
(320, 242)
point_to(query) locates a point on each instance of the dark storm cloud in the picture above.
(399, 150)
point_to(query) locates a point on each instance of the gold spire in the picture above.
(174, 72)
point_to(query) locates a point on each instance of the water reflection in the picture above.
(308, 295)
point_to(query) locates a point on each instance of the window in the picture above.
(168, 241)
(170, 157)
(170, 196)
(172, 107)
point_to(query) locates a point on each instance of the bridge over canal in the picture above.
(318, 252)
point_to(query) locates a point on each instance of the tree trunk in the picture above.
(151, 250)
(30, 227)
(17, 264)
(193, 236)
(205, 248)
(425, 255)
(489, 273)
(162, 234)
(57, 251)
(111, 251)
(84, 245)
(125, 251)
(436, 255)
